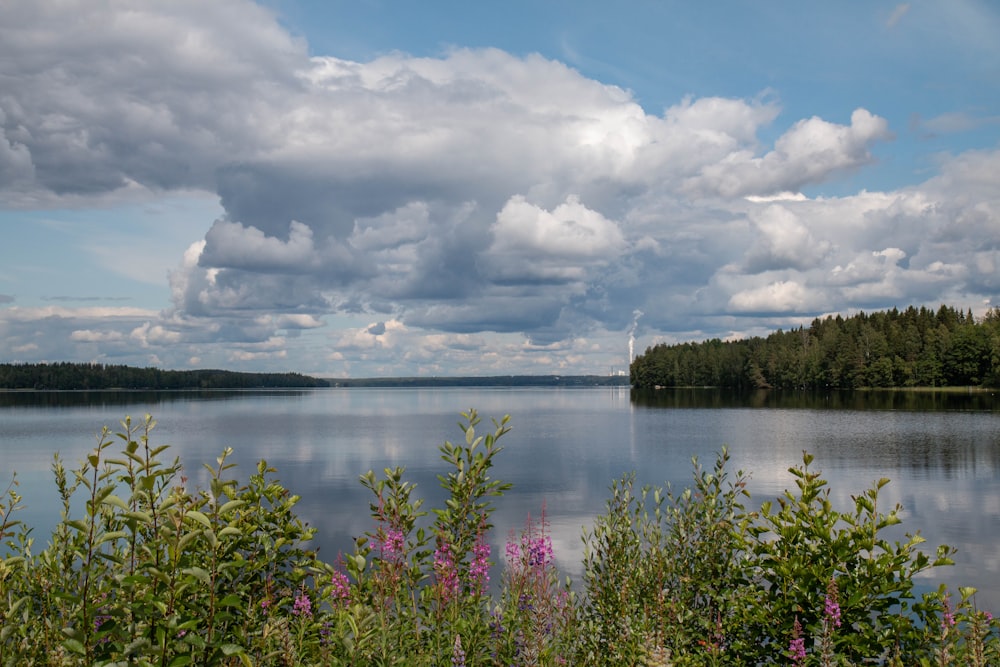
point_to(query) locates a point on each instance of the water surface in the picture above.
(941, 451)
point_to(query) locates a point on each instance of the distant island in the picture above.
(67, 376)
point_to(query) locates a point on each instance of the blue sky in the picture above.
(396, 188)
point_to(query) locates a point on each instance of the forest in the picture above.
(916, 347)
(65, 375)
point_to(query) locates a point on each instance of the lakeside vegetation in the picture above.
(909, 348)
(142, 569)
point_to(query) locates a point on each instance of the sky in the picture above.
(374, 188)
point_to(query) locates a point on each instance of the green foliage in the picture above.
(806, 544)
(666, 573)
(141, 570)
(914, 347)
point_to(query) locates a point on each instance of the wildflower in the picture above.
(302, 605)
(831, 608)
(513, 552)
(479, 571)
(324, 633)
(340, 589)
(265, 604)
(797, 647)
(444, 570)
(540, 551)
(393, 543)
(947, 618)
(457, 654)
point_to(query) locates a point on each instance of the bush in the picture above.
(148, 572)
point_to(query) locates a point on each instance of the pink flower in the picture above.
(513, 552)
(444, 570)
(302, 605)
(831, 608)
(393, 544)
(947, 618)
(797, 647)
(340, 589)
(479, 571)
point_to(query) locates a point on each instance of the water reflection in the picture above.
(941, 450)
(922, 400)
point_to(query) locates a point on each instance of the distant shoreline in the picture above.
(70, 376)
(487, 381)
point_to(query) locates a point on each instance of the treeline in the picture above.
(488, 381)
(910, 348)
(67, 375)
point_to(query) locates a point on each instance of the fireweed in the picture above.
(142, 570)
(534, 620)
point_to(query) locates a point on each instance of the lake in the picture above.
(940, 449)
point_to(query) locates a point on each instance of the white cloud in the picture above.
(88, 336)
(230, 245)
(782, 240)
(457, 212)
(531, 244)
(778, 297)
(810, 152)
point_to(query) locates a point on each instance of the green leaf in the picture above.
(231, 600)
(76, 524)
(114, 535)
(199, 574)
(199, 517)
(75, 646)
(230, 506)
(141, 517)
(115, 501)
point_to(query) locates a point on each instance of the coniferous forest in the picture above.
(916, 347)
(66, 375)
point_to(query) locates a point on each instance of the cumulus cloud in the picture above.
(467, 210)
(779, 297)
(532, 245)
(782, 240)
(810, 152)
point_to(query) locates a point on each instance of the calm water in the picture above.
(941, 451)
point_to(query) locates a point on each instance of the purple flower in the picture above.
(797, 647)
(444, 570)
(513, 552)
(340, 589)
(479, 571)
(302, 605)
(831, 608)
(457, 654)
(393, 544)
(539, 551)
(947, 619)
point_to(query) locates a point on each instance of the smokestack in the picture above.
(636, 314)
